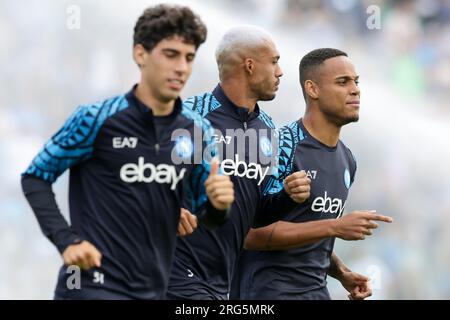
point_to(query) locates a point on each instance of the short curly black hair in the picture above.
(314, 59)
(164, 21)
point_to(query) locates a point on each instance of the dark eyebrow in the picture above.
(169, 50)
(177, 52)
(347, 78)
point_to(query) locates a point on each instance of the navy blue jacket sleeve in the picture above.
(72, 144)
(195, 193)
(274, 207)
(275, 202)
(42, 200)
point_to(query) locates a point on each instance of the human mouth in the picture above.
(354, 103)
(176, 84)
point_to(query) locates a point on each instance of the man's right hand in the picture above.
(358, 224)
(188, 223)
(219, 188)
(84, 254)
(298, 186)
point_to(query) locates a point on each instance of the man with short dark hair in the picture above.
(296, 254)
(126, 188)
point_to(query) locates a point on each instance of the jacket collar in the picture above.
(134, 101)
(239, 113)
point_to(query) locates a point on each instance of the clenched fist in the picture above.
(187, 224)
(84, 254)
(297, 186)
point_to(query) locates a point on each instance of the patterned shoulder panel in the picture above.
(195, 187)
(199, 121)
(288, 138)
(73, 143)
(202, 104)
(266, 119)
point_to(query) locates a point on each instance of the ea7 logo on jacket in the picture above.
(124, 142)
(221, 138)
(148, 172)
(326, 204)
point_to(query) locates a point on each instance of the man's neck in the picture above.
(237, 92)
(159, 108)
(321, 128)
